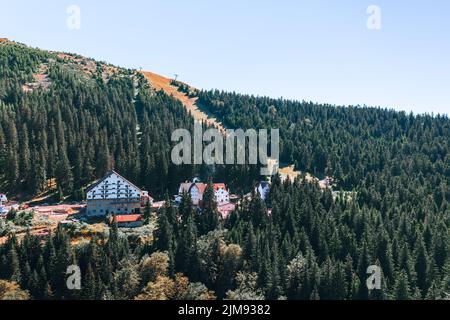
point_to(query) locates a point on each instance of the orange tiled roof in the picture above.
(201, 187)
(127, 218)
(218, 186)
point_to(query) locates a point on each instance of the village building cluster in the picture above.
(116, 198)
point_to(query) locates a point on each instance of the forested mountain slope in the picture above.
(69, 118)
(381, 153)
(398, 164)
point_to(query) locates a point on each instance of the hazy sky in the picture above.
(319, 50)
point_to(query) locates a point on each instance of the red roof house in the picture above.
(128, 221)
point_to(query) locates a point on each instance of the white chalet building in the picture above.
(113, 194)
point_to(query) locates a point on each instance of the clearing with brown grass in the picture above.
(159, 82)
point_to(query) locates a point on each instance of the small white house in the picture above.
(3, 199)
(263, 188)
(197, 189)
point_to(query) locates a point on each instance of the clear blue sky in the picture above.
(319, 50)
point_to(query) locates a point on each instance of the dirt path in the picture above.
(162, 83)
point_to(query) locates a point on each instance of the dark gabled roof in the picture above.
(106, 176)
(201, 187)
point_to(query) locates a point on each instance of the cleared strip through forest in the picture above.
(162, 83)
